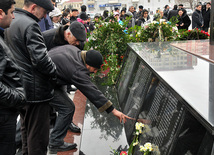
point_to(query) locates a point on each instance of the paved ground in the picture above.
(80, 101)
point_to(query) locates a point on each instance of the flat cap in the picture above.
(78, 30)
(46, 4)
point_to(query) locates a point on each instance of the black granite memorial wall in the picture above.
(157, 87)
(144, 95)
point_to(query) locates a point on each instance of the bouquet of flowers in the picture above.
(194, 34)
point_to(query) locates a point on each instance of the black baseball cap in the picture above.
(78, 30)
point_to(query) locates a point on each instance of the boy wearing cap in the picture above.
(39, 72)
(74, 67)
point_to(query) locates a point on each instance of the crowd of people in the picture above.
(200, 17)
(41, 57)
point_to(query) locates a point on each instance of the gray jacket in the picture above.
(71, 69)
(197, 19)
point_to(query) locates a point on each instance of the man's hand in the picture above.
(121, 116)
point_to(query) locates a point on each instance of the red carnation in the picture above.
(189, 30)
(123, 153)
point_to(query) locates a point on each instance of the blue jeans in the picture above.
(65, 108)
(7, 132)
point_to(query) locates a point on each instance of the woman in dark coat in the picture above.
(184, 21)
(144, 17)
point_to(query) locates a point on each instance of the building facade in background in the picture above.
(101, 5)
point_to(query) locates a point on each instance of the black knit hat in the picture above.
(46, 4)
(94, 58)
(78, 30)
(141, 7)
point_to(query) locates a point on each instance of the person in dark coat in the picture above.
(139, 13)
(184, 20)
(65, 35)
(181, 6)
(172, 13)
(143, 18)
(74, 67)
(74, 15)
(122, 14)
(11, 88)
(197, 18)
(166, 11)
(206, 16)
(59, 36)
(38, 71)
(83, 10)
(65, 18)
(105, 15)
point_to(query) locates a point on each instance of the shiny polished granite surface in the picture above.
(191, 77)
(102, 133)
(200, 48)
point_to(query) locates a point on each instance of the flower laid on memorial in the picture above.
(194, 34)
(146, 148)
(123, 153)
(155, 31)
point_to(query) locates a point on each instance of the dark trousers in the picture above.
(7, 132)
(35, 128)
(65, 108)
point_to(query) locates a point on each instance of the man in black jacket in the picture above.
(74, 67)
(197, 18)
(11, 90)
(74, 15)
(206, 16)
(173, 13)
(27, 45)
(74, 35)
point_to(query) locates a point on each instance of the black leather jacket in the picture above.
(11, 90)
(27, 44)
